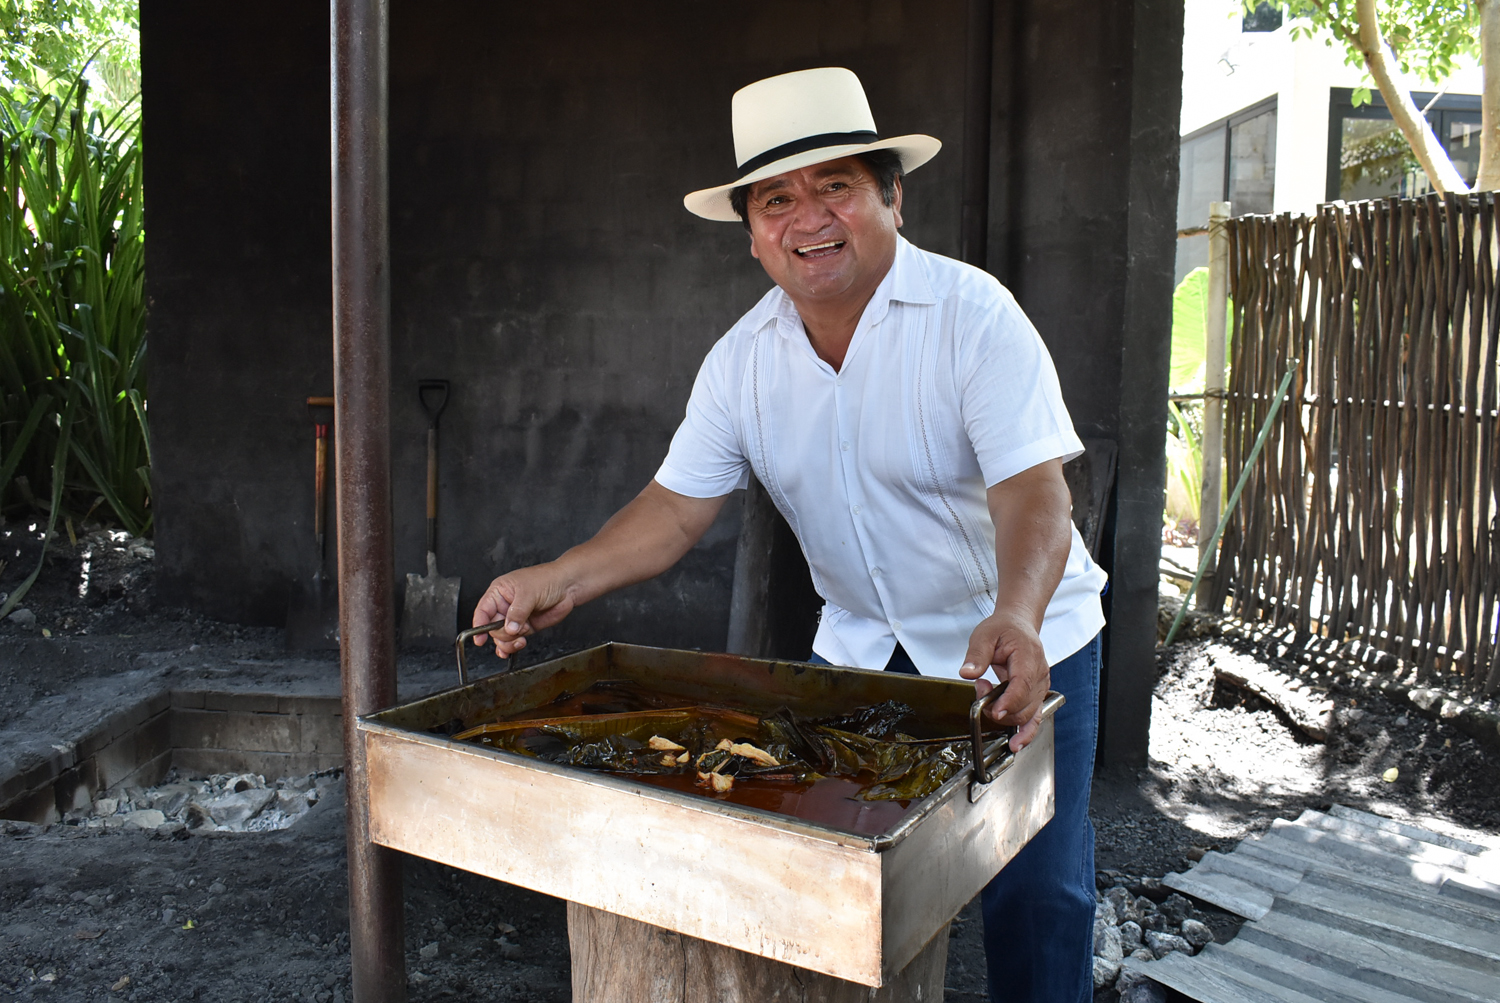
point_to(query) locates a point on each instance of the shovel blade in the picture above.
(312, 618)
(430, 617)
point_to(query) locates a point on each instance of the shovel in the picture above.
(312, 619)
(431, 616)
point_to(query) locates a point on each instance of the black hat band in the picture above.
(807, 143)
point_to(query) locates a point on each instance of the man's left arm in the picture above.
(1032, 512)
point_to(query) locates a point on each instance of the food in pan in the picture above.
(622, 728)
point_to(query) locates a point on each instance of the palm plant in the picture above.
(72, 312)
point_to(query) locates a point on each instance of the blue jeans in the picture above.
(1039, 911)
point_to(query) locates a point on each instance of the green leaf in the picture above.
(1189, 322)
(18, 448)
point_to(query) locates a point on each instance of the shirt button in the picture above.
(844, 446)
(838, 382)
(895, 624)
(855, 510)
(874, 572)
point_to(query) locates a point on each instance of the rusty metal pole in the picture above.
(361, 383)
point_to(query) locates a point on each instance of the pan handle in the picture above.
(461, 645)
(976, 724)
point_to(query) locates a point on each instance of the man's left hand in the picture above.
(1011, 647)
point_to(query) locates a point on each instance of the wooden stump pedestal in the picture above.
(619, 960)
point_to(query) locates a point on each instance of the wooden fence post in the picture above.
(1216, 316)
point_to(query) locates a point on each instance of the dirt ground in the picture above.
(115, 914)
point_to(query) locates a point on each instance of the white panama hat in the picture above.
(795, 120)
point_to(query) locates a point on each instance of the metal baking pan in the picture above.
(854, 906)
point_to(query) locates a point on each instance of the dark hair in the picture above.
(884, 164)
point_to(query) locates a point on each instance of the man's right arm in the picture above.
(640, 541)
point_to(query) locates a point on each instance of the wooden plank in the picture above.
(1229, 893)
(1384, 824)
(1201, 979)
(1316, 974)
(1330, 977)
(1400, 916)
(620, 960)
(1310, 711)
(1286, 932)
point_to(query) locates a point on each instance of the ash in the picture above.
(224, 802)
(113, 911)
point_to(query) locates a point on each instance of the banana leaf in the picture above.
(862, 745)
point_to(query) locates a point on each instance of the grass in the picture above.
(73, 425)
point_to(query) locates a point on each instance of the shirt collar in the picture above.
(905, 282)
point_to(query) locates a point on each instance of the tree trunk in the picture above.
(619, 960)
(1489, 127)
(1383, 67)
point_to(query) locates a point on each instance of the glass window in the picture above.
(1374, 160)
(1252, 164)
(1459, 131)
(1369, 158)
(1263, 18)
(1234, 159)
(1201, 180)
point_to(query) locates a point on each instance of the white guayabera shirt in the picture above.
(881, 468)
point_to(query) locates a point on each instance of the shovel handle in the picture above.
(321, 483)
(437, 389)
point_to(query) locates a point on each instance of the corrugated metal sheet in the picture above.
(1346, 907)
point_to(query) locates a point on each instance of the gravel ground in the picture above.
(261, 916)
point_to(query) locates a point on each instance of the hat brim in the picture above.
(713, 203)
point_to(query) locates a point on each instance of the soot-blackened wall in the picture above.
(543, 263)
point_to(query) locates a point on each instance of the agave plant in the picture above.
(73, 430)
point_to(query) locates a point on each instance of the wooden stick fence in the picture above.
(1372, 519)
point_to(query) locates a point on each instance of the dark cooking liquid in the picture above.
(829, 801)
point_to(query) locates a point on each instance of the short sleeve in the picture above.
(1012, 404)
(705, 459)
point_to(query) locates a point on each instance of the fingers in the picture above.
(982, 653)
(1026, 732)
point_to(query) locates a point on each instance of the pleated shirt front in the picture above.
(881, 467)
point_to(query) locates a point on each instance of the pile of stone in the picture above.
(225, 802)
(1137, 918)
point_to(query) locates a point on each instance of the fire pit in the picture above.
(851, 905)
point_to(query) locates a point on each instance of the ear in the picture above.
(896, 205)
(753, 252)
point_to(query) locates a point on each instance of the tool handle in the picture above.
(437, 389)
(321, 490)
(432, 485)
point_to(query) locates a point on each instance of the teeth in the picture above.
(819, 247)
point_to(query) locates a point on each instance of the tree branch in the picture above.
(1489, 102)
(1381, 63)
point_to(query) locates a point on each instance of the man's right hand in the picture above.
(640, 541)
(528, 600)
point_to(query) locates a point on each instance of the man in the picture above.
(906, 419)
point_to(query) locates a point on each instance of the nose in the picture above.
(811, 216)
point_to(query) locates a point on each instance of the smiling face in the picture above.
(823, 233)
